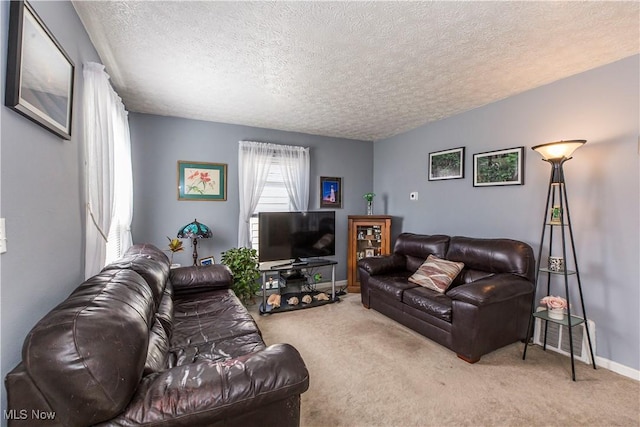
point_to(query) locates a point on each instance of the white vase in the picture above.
(555, 313)
(370, 208)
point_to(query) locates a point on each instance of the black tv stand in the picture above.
(295, 263)
(292, 270)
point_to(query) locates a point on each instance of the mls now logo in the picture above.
(34, 414)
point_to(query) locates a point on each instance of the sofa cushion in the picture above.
(392, 285)
(429, 301)
(417, 247)
(436, 273)
(217, 351)
(493, 255)
(214, 317)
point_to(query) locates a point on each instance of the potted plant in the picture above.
(555, 306)
(243, 263)
(369, 198)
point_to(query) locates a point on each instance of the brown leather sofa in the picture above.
(140, 344)
(486, 307)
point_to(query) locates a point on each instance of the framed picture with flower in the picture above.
(202, 181)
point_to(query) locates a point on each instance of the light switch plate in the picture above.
(413, 195)
(3, 237)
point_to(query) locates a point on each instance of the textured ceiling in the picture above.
(362, 70)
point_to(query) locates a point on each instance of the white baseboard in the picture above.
(618, 368)
(326, 286)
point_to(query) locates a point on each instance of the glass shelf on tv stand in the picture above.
(295, 267)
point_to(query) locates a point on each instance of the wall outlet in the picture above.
(413, 195)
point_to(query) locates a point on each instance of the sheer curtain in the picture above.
(295, 171)
(109, 184)
(254, 161)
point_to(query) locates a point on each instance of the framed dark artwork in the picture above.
(446, 164)
(502, 167)
(39, 72)
(330, 192)
(202, 181)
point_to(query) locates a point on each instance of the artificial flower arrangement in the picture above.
(554, 302)
(175, 245)
(368, 197)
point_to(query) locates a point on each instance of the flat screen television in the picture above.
(296, 236)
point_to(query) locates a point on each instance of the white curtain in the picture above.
(294, 162)
(107, 148)
(254, 160)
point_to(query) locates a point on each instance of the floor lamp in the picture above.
(556, 214)
(195, 231)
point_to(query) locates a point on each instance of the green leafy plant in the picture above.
(368, 197)
(243, 263)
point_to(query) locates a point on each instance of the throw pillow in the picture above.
(436, 273)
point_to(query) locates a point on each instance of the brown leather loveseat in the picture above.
(140, 344)
(487, 306)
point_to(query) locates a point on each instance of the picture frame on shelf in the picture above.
(369, 252)
(330, 192)
(446, 164)
(500, 167)
(202, 181)
(39, 82)
(207, 261)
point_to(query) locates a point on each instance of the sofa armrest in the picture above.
(201, 278)
(383, 264)
(204, 392)
(492, 289)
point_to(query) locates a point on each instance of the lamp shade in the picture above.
(559, 149)
(195, 230)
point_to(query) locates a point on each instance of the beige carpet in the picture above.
(367, 370)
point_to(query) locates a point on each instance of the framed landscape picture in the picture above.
(446, 164)
(502, 167)
(330, 192)
(202, 181)
(39, 81)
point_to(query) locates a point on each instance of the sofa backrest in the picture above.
(483, 257)
(153, 268)
(417, 247)
(86, 357)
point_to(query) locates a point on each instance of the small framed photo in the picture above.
(330, 192)
(446, 164)
(39, 81)
(207, 261)
(502, 167)
(202, 181)
(369, 252)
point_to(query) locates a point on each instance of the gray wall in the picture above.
(600, 106)
(159, 142)
(41, 197)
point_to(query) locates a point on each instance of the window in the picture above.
(274, 198)
(290, 170)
